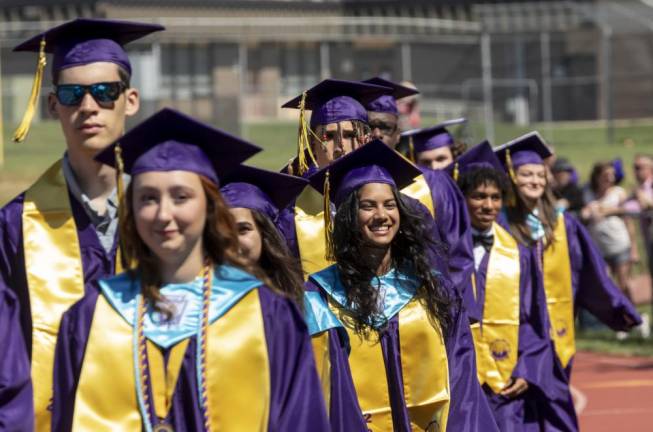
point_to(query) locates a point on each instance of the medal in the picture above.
(163, 427)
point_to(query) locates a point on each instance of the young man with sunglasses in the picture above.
(59, 236)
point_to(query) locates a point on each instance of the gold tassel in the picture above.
(456, 172)
(120, 188)
(303, 144)
(23, 127)
(411, 150)
(511, 170)
(328, 221)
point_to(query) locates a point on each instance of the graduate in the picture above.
(433, 148)
(452, 220)
(191, 337)
(16, 397)
(255, 197)
(339, 125)
(572, 269)
(383, 114)
(514, 353)
(412, 357)
(59, 236)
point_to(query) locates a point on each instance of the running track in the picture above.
(613, 393)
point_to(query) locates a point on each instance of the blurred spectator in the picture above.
(604, 212)
(409, 113)
(641, 201)
(565, 186)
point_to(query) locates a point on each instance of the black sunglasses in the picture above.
(104, 92)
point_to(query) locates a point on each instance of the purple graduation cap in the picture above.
(527, 149)
(373, 163)
(83, 41)
(619, 172)
(172, 141)
(257, 189)
(479, 156)
(388, 103)
(433, 137)
(76, 43)
(333, 101)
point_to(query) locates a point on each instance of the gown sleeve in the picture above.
(345, 414)
(16, 397)
(12, 266)
(454, 228)
(535, 355)
(297, 403)
(69, 354)
(593, 288)
(286, 225)
(469, 409)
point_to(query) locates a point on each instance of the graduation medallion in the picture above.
(163, 427)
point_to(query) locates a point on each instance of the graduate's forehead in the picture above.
(89, 73)
(165, 180)
(345, 125)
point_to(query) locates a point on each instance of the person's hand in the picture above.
(516, 388)
(628, 320)
(634, 255)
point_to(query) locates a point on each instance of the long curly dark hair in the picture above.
(409, 255)
(283, 269)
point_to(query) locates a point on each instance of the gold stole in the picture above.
(238, 372)
(559, 293)
(309, 223)
(55, 278)
(320, 343)
(425, 374)
(497, 340)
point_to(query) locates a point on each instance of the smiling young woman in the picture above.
(256, 197)
(190, 337)
(571, 267)
(404, 320)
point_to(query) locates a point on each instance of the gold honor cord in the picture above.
(497, 341)
(237, 354)
(424, 368)
(559, 293)
(23, 128)
(53, 266)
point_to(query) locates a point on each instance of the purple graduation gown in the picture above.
(96, 263)
(16, 398)
(593, 289)
(547, 404)
(468, 407)
(453, 227)
(296, 401)
(345, 414)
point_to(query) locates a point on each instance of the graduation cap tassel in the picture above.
(304, 144)
(23, 128)
(328, 221)
(456, 171)
(511, 170)
(120, 188)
